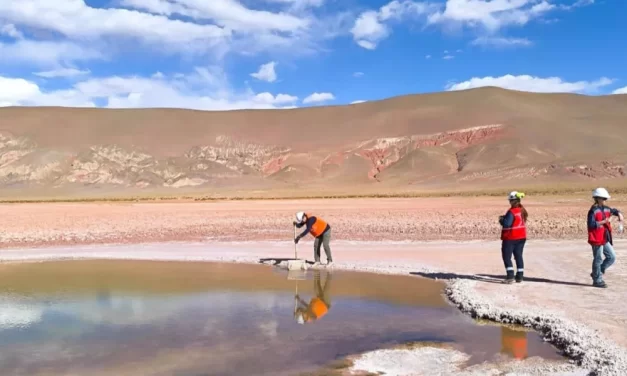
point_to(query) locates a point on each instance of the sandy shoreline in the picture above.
(558, 307)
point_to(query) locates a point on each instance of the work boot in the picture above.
(600, 284)
(509, 278)
(519, 277)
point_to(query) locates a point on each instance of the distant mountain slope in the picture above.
(468, 138)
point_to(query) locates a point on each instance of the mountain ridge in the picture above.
(468, 138)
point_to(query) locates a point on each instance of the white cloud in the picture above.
(532, 84)
(46, 53)
(204, 89)
(359, 101)
(62, 72)
(428, 57)
(491, 15)
(21, 92)
(370, 27)
(577, 4)
(319, 97)
(227, 13)
(11, 31)
(368, 31)
(501, 42)
(448, 57)
(266, 72)
(75, 19)
(304, 3)
(622, 90)
(358, 74)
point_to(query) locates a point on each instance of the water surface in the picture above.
(176, 318)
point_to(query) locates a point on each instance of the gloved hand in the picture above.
(296, 240)
(501, 218)
(294, 223)
(621, 228)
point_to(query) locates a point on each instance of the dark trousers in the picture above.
(513, 247)
(323, 240)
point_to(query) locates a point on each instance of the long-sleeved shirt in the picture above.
(310, 222)
(508, 220)
(593, 224)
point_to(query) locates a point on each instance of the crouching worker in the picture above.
(320, 230)
(318, 306)
(600, 235)
(514, 236)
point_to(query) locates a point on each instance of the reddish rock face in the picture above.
(480, 153)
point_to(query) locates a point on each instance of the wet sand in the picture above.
(385, 236)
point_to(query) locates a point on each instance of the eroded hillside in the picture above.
(377, 147)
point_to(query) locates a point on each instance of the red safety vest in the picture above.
(597, 236)
(518, 230)
(318, 227)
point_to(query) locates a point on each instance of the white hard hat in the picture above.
(300, 319)
(300, 216)
(601, 192)
(514, 195)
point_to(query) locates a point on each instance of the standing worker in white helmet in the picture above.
(600, 235)
(320, 230)
(513, 237)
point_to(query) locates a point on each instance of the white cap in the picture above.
(601, 192)
(300, 216)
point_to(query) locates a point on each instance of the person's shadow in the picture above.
(277, 260)
(491, 278)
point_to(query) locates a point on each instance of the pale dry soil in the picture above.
(384, 236)
(399, 219)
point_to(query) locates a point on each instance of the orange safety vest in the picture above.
(597, 236)
(318, 307)
(318, 227)
(518, 230)
(514, 342)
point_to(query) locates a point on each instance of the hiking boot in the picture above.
(509, 278)
(600, 284)
(519, 277)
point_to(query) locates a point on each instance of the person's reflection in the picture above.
(319, 305)
(514, 342)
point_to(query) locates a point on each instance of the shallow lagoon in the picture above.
(183, 318)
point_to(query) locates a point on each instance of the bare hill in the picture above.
(456, 140)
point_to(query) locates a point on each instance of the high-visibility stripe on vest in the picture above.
(518, 230)
(318, 227)
(597, 236)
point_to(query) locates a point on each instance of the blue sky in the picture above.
(231, 54)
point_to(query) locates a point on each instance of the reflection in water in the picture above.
(514, 342)
(319, 305)
(155, 318)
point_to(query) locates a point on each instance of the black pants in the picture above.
(515, 247)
